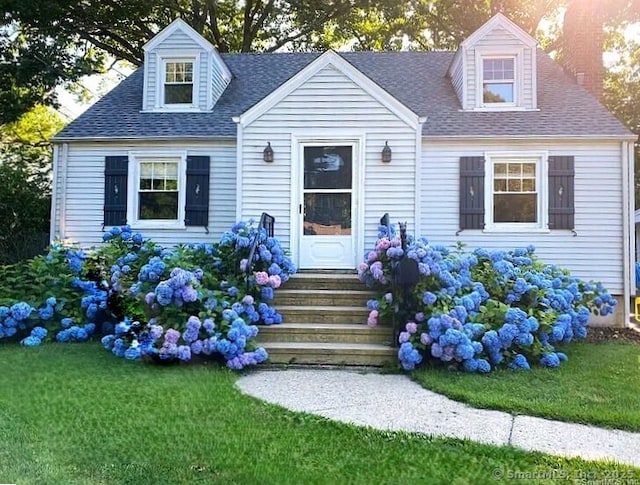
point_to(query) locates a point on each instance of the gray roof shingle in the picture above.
(417, 79)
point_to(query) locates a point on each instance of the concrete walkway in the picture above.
(394, 402)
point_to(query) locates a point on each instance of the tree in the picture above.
(622, 92)
(25, 183)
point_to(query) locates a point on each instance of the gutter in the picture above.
(173, 139)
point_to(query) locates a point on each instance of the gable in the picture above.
(179, 48)
(499, 42)
(182, 31)
(331, 59)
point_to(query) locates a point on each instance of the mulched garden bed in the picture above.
(605, 335)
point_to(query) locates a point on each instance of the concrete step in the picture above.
(314, 353)
(325, 333)
(324, 281)
(323, 314)
(288, 297)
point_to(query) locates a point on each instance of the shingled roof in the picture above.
(417, 79)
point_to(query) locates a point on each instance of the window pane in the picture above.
(145, 184)
(171, 184)
(529, 185)
(515, 208)
(529, 169)
(171, 170)
(146, 170)
(514, 185)
(498, 93)
(157, 184)
(500, 185)
(515, 170)
(327, 214)
(178, 93)
(158, 205)
(500, 169)
(327, 167)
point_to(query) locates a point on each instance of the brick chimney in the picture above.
(582, 44)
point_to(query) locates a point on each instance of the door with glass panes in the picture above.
(327, 208)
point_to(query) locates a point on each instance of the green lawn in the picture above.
(74, 414)
(600, 384)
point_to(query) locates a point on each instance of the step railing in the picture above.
(405, 274)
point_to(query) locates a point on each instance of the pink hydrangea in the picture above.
(262, 278)
(275, 281)
(382, 245)
(372, 256)
(372, 321)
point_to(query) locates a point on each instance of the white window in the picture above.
(157, 194)
(498, 80)
(178, 82)
(515, 191)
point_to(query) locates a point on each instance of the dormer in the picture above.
(183, 72)
(494, 69)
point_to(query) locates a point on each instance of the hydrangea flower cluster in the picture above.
(228, 340)
(475, 311)
(14, 318)
(194, 300)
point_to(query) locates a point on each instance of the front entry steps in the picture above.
(325, 323)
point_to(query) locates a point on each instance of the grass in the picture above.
(600, 385)
(74, 414)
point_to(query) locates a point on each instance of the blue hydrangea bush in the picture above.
(193, 301)
(481, 310)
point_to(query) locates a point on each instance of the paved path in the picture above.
(394, 402)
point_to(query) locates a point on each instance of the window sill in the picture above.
(157, 225)
(489, 109)
(176, 109)
(516, 230)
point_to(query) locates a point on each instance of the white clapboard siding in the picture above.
(218, 81)
(329, 102)
(150, 80)
(83, 206)
(597, 250)
(498, 40)
(457, 77)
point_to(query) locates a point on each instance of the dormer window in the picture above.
(498, 81)
(178, 82)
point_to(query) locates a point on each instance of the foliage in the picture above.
(622, 92)
(25, 184)
(477, 311)
(166, 305)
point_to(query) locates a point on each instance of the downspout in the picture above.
(54, 194)
(628, 216)
(239, 167)
(418, 179)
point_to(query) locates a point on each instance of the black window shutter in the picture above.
(561, 195)
(115, 190)
(197, 209)
(471, 193)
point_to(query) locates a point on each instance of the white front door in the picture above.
(327, 209)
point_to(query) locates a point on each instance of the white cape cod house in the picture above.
(493, 145)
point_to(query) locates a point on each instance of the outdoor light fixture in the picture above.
(267, 155)
(386, 153)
